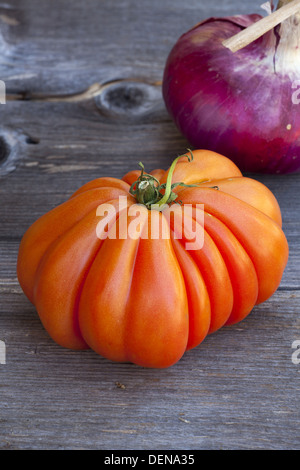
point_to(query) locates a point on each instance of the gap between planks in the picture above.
(91, 92)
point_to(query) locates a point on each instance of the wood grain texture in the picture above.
(83, 81)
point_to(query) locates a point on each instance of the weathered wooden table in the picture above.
(84, 100)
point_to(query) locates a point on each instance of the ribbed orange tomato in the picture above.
(147, 299)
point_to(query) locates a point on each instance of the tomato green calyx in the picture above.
(146, 188)
(148, 191)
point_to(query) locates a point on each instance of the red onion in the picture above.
(244, 105)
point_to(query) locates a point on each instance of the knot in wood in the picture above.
(126, 99)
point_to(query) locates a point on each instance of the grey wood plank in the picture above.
(239, 389)
(72, 153)
(69, 46)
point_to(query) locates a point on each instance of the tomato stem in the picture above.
(147, 189)
(168, 191)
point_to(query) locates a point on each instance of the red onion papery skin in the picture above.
(237, 104)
